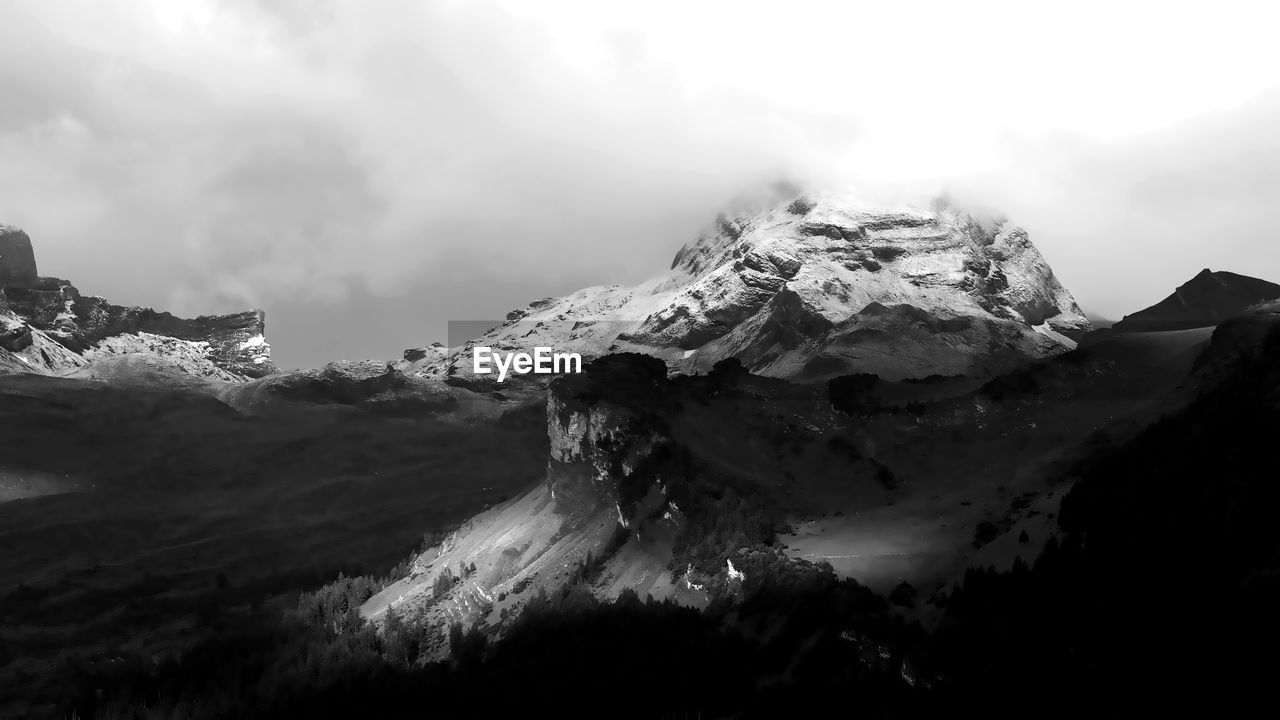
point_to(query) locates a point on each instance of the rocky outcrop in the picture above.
(799, 286)
(26, 349)
(223, 347)
(424, 362)
(598, 499)
(1203, 301)
(17, 259)
(601, 426)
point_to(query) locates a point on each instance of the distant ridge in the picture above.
(48, 327)
(1203, 301)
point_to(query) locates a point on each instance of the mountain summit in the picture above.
(1203, 301)
(811, 286)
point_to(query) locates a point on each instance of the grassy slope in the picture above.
(175, 505)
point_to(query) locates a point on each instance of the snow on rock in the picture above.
(188, 357)
(28, 349)
(69, 331)
(813, 286)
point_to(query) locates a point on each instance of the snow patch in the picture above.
(690, 584)
(67, 314)
(253, 342)
(1047, 330)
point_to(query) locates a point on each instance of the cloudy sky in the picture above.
(367, 171)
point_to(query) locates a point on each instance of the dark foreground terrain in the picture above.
(1154, 589)
(143, 517)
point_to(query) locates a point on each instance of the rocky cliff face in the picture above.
(48, 326)
(819, 285)
(17, 259)
(597, 512)
(601, 427)
(1203, 301)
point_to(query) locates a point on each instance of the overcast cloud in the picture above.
(367, 171)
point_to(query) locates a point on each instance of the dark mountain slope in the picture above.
(1162, 594)
(1203, 301)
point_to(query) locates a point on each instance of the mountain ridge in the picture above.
(1203, 301)
(48, 327)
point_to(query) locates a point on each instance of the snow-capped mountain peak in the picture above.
(813, 285)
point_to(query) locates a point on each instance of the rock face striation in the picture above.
(47, 326)
(818, 285)
(1203, 301)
